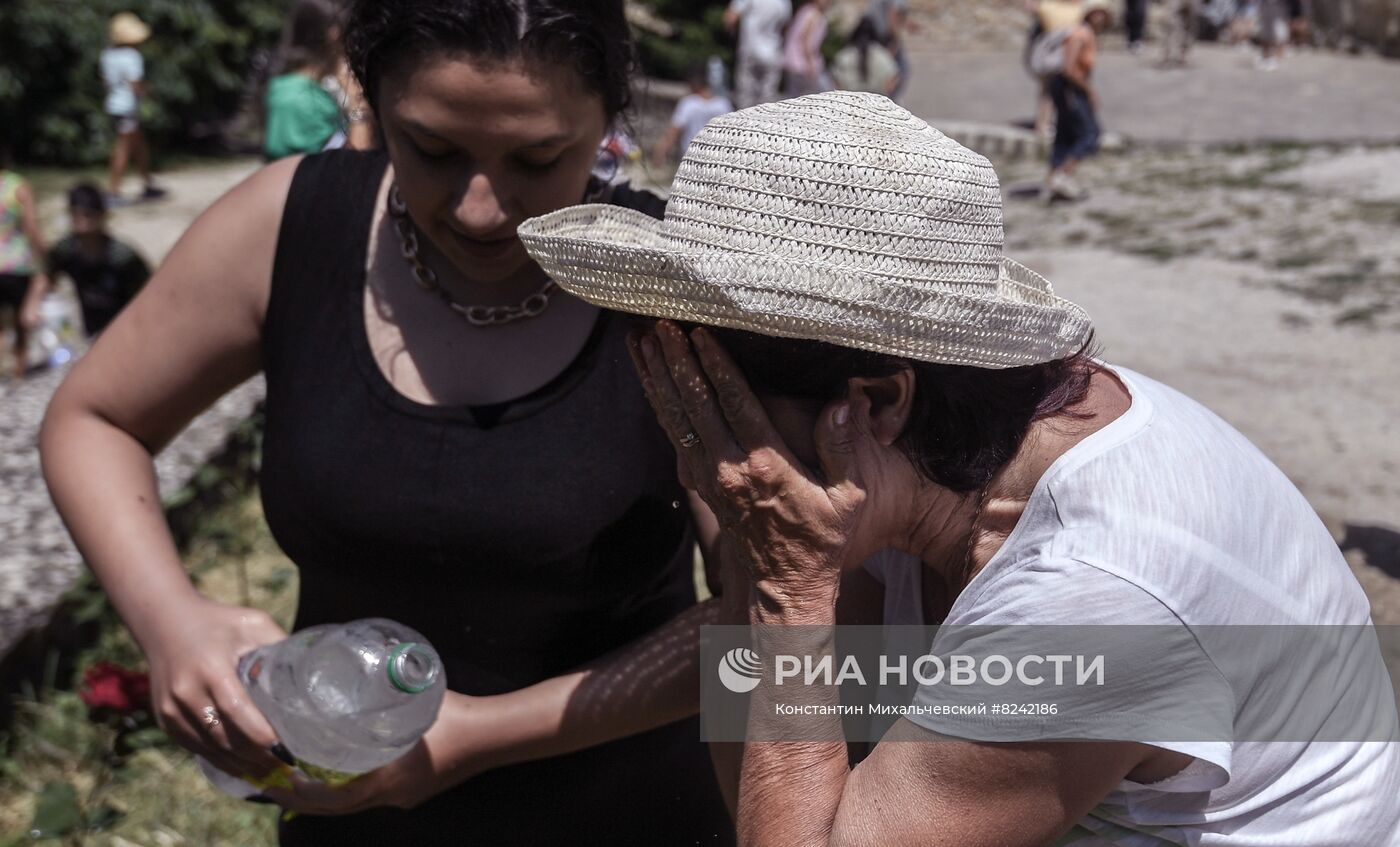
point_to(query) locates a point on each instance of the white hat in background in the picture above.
(127, 30)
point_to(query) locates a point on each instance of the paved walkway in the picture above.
(1313, 97)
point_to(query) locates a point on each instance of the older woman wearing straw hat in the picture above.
(848, 364)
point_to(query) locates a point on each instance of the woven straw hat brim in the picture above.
(620, 259)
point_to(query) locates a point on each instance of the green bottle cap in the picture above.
(412, 668)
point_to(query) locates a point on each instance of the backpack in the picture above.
(1048, 52)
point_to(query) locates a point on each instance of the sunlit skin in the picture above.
(478, 148)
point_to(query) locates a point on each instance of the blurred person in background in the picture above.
(450, 442)
(890, 20)
(1216, 18)
(1245, 25)
(301, 115)
(1300, 32)
(864, 64)
(694, 110)
(124, 77)
(23, 282)
(1049, 19)
(758, 68)
(1272, 32)
(1135, 22)
(1076, 104)
(802, 53)
(1179, 33)
(107, 273)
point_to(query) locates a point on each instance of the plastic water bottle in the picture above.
(56, 337)
(343, 698)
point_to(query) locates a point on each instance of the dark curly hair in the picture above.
(966, 422)
(591, 36)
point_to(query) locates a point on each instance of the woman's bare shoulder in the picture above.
(195, 330)
(235, 239)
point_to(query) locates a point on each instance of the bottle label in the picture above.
(329, 776)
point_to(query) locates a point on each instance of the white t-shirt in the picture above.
(761, 25)
(121, 66)
(693, 112)
(1169, 516)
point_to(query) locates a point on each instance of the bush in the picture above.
(200, 63)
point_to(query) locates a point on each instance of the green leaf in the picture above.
(142, 739)
(56, 811)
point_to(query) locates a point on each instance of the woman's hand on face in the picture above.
(793, 528)
(198, 699)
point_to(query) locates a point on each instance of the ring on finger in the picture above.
(690, 439)
(210, 716)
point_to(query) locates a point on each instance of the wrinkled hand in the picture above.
(792, 528)
(194, 666)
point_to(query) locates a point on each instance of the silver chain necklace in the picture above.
(427, 278)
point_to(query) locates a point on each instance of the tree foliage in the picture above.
(699, 34)
(201, 61)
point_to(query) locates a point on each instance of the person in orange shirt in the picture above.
(1076, 104)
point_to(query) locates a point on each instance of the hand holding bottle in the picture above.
(198, 699)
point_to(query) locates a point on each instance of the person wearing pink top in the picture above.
(802, 52)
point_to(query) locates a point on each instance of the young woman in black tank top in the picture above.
(451, 442)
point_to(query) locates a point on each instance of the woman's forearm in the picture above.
(649, 683)
(104, 484)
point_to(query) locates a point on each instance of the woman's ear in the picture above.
(891, 400)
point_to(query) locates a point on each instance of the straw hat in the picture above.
(837, 217)
(127, 30)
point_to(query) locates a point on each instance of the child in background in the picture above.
(693, 111)
(106, 272)
(124, 75)
(22, 281)
(302, 116)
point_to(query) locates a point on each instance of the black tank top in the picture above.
(522, 539)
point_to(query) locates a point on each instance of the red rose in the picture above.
(112, 687)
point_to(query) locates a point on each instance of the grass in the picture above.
(122, 783)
